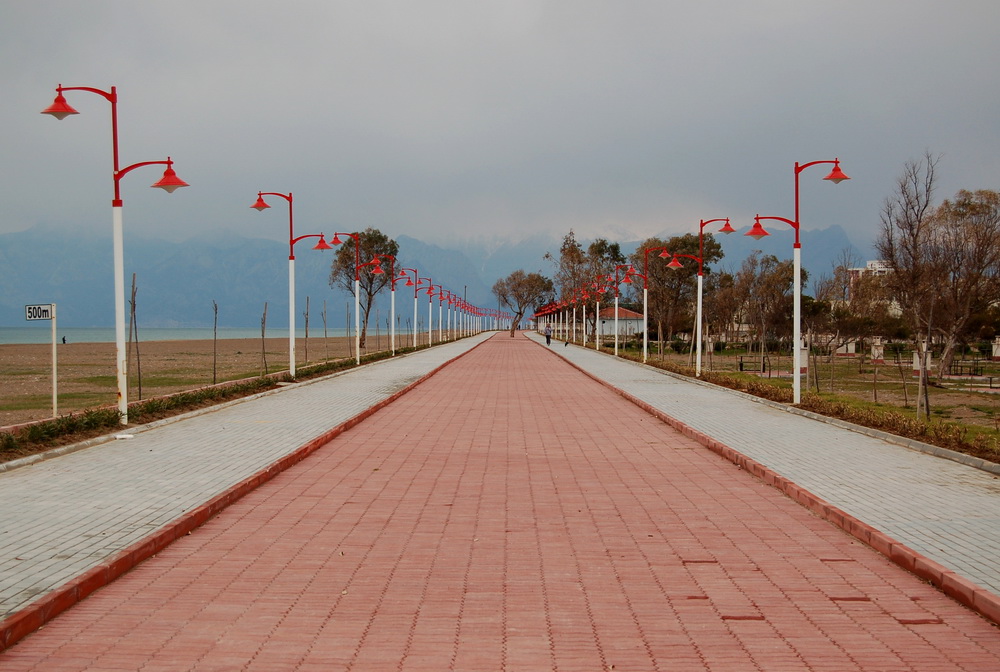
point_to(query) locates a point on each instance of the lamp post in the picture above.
(60, 109)
(442, 294)
(451, 315)
(392, 296)
(357, 290)
(599, 289)
(376, 265)
(628, 269)
(645, 296)
(675, 264)
(260, 206)
(415, 283)
(430, 312)
(836, 176)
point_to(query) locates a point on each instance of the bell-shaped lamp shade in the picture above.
(675, 264)
(322, 244)
(628, 279)
(409, 281)
(260, 205)
(336, 239)
(727, 227)
(59, 109)
(664, 254)
(836, 175)
(169, 182)
(757, 232)
(377, 270)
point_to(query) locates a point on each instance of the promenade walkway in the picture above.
(507, 513)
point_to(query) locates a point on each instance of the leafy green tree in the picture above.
(372, 243)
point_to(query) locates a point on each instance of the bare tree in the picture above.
(581, 274)
(764, 284)
(904, 244)
(520, 291)
(967, 251)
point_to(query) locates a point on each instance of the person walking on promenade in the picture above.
(548, 334)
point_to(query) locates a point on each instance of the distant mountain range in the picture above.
(177, 282)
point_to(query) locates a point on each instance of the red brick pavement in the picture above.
(512, 514)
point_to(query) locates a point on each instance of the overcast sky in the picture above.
(454, 118)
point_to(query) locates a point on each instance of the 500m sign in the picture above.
(47, 311)
(41, 311)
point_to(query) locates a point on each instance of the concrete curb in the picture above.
(32, 617)
(957, 587)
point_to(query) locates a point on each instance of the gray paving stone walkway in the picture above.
(944, 510)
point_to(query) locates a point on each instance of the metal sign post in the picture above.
(47, 311)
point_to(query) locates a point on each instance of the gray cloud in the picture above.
(443, 119)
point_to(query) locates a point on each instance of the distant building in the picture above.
(874, 267)
(629, 322)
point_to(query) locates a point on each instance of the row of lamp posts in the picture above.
(604, 284)
(472, 317)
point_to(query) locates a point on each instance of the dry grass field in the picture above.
(86, 371)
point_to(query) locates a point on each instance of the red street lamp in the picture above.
(357, 289)
(415, 283)
(60, 109)
(836, 176)
(260, 206)
(617, 282)
(430, 311)
(392, 294)
(645, 295)
(600, 288)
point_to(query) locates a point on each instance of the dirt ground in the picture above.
(86, 371)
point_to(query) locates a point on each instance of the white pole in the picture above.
(616, 324)
(597, 326)
(392, 318)
(697, 371)
(430, 319)
(414, 319)
(291, 316)
(55, 358)
(357, 320)
(645, 322)
(797, 335)
(120, 353)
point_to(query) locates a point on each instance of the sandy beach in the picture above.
(86, 371)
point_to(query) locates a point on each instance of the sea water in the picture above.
(43, 334)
